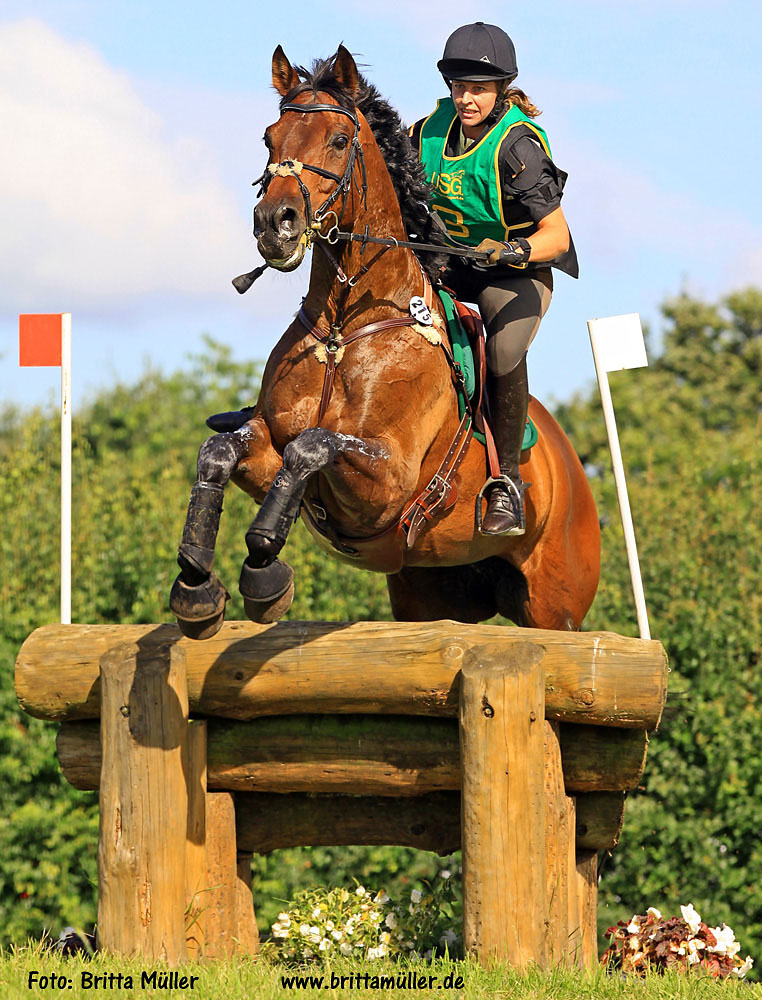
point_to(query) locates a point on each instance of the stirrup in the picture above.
(516, 490)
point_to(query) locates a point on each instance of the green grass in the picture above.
(244, 979)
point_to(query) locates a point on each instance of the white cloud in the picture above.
(98, 204)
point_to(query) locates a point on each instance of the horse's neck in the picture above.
(393, 278)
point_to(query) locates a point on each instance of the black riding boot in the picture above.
(508, 401)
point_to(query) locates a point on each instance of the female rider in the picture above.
(496, 188)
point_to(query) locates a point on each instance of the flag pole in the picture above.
(621, 486)
(66, 468)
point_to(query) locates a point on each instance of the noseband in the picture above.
(293, 168)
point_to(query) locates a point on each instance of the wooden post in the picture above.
(229, 925)
(574, 942)
(502, 709)
(587, 892)
(143, 803)
(559, 841)
(195, 853)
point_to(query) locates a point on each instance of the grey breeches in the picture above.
(512, 309)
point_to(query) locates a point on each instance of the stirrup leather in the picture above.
(515, 490)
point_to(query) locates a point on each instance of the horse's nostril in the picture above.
(284, 220)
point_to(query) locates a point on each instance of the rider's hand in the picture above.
(515, 252)
(493, 248)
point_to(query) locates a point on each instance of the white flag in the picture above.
(617, 342)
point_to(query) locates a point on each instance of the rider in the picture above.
(496, 188)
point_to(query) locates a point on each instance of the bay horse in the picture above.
(357, 424)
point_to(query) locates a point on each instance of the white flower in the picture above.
(314, 935)
(693, 951)
(279, 931)
(325, 944)
(635, 943)
(329, 925)
(385, 937)
(345, 948)
(692, 919)
(337, 935)
(376, 917)
(379, 952)
(316, 913)
(743, 969)
(652, 911)
(381, 897)
(634, 926)
(391, 920)
(415, 896)
(304, 930)
(360, 891)
(449, 937)
(445, 874)
(726, 942)
(284, 919)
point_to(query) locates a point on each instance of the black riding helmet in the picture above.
(478, 52)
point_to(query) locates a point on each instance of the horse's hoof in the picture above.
(267, 613)
(201, 629)
(267, 591)
(200, 609)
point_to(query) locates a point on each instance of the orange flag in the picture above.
(40, 339)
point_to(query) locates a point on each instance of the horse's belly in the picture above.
(384, 554)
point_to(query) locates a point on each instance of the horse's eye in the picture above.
(340, 141)
(267, 141)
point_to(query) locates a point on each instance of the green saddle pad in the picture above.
(463, 355)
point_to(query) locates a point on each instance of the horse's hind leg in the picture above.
(267, 583)
(198, 597)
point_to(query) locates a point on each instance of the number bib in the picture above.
(467, 191)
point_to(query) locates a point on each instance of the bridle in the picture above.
(344, 182)
(317, 223)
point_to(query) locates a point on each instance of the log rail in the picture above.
(516, 745)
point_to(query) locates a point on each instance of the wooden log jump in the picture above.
(517, 745)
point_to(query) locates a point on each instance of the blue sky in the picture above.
(132, 131)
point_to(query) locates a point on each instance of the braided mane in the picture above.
(404, 167)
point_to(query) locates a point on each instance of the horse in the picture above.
(356, 425)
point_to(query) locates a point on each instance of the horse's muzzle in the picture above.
(280, 234)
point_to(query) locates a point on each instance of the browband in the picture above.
(322, 107)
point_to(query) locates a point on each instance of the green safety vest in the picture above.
(467, 189)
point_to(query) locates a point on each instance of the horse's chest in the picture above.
(292, 400)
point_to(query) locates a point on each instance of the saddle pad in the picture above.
(463, 354)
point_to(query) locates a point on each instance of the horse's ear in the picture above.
(285, 77)
(345, 71)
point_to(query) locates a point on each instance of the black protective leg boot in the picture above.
(508, 401)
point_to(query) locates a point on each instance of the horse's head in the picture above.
(316, 171)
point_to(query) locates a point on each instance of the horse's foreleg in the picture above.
(267, 583)
(198, 597)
